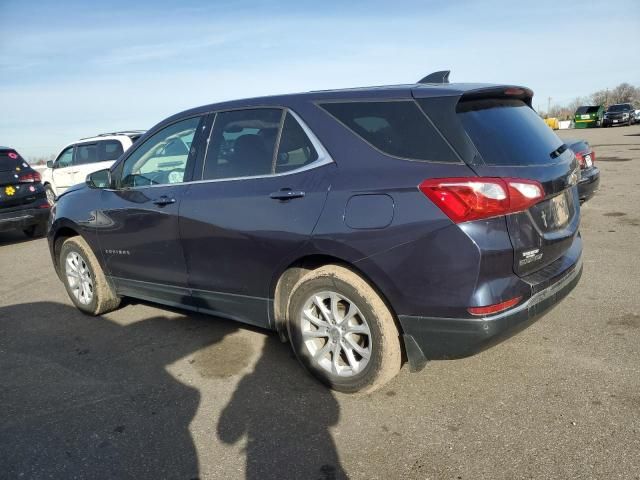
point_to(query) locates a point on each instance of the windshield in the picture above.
(618, 108)
(508, 132)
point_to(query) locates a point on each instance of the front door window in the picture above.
(162, 158)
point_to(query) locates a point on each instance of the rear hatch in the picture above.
(586, 114)
(512, 141)
(19, 183)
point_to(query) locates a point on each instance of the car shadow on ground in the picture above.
(86, 397)
(13, 237)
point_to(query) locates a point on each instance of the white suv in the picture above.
(88, 155)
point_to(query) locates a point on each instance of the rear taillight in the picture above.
(586, 159)
(491, 309)
(30, 177)
(475, 198)
(13, 155)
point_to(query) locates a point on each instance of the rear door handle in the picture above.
(164, 200)
(286, 194)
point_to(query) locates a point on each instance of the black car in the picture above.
(424, 221)
(23, 202)
(619, 114)
(589, 174)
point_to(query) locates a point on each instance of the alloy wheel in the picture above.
(335, 334)
(79, 278)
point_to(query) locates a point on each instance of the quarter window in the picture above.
(397, 128)
(295, 149)
(109, 150)
(242, 143)
(162, 158)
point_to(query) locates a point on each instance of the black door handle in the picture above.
(286, 194)
(164, 200)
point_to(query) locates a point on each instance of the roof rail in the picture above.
(437, 77)
(123, 132)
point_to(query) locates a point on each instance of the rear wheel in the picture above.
(84, 279)
(342, 331)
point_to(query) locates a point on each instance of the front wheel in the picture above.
(84, 279)
(342, 332)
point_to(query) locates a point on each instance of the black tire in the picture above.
(51, 196)
(36, 231)
(103, 297)
(381, 343)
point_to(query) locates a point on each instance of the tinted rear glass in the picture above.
(586, 110)
(10, 160)
(508, 132)
(397, 128)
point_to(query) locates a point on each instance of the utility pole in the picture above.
(548, 105)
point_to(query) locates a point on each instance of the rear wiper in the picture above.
(559, 151)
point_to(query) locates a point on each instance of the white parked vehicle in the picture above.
(88, 155)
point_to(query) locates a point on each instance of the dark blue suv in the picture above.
(366, 226)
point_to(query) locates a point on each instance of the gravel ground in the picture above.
(147, 392)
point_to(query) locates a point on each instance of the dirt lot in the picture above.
(147, 392)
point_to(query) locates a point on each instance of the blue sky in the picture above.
(74, 69)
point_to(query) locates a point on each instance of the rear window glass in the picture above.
(9, 160)
(397, 128)
(508, 132)
(586, 110)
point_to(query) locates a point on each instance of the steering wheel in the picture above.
(175, 176)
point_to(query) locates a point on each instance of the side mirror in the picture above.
(49, 163)
(99, 179)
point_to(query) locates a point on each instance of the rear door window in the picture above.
(397, 128)
(87, 153)
(242, 143)
(109, 150)
(508, 132)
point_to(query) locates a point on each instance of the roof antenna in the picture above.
(437, 77)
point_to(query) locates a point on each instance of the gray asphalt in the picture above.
(147, 392)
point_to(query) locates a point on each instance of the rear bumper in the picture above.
(428, 338)
(21, 219)
(586, 123)
(589, 183)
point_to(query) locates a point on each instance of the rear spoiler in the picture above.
(505, 91)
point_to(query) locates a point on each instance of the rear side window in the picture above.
(86, 154)
(508, 132)
(397, 128)
(242, 143)
(295, 149)
(109, 150)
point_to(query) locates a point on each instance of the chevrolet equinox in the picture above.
(366, 226)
